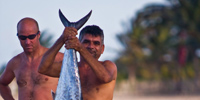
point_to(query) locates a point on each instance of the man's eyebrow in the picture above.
(86, 40)
(97, 41)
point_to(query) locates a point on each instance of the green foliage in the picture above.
(46, 39)
(162, 41)
(122, 72)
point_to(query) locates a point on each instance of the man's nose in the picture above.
(27, 41)
(91, 45)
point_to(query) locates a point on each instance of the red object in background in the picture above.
(182, 55)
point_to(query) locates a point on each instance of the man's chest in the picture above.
(27, 74)
(89, 80)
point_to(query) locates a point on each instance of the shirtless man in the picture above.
(98, 78)
(24, 67)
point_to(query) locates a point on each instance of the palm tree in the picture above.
(162, 41)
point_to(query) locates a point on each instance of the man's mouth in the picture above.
(29, 47)
(92, 51)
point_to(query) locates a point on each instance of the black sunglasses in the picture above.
(22, 37)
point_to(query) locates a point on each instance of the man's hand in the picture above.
(68, 32)
(73, 43)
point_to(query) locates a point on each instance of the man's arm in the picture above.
(106, 71)
(5, 79)
(48, 66)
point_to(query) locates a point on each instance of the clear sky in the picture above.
(108, 14)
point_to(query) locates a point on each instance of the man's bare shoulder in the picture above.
(15, 60)
(108, 63)
(111, 66)
(59, 56)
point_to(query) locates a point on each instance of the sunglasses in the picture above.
(22, 37)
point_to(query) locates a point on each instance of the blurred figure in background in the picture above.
(31, 84)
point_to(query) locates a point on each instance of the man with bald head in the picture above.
(31, 84)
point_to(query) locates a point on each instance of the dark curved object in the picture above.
(77, 24)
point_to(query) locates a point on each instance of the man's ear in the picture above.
(39, 34)
(103, 47)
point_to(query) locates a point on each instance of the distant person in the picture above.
(98, 78)
(31, 84)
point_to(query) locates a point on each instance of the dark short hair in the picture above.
(93, 30)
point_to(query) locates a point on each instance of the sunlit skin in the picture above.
(97, 77)
(92, 87)
(31, 84)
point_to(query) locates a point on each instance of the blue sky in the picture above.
(108, 14)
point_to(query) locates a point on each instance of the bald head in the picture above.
(27, 22)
